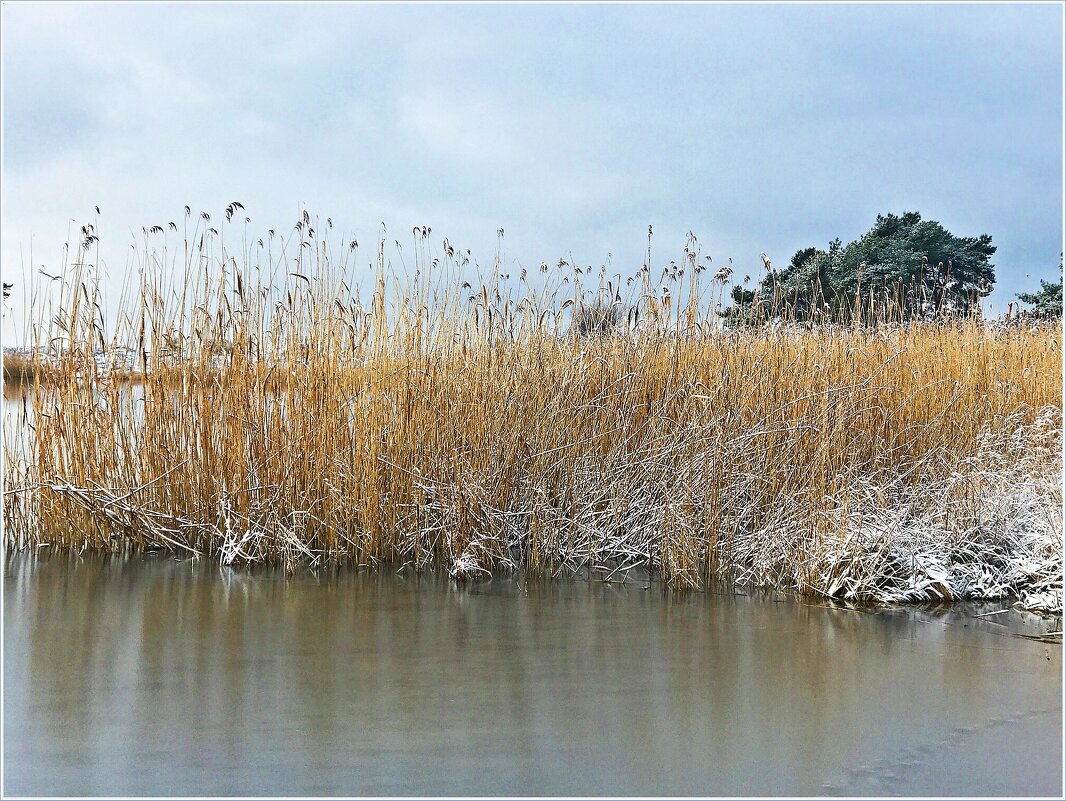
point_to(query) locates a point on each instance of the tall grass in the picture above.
(556, 420)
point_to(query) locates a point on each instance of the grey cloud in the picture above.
(764, 128)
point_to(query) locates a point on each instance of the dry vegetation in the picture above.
(24, 369)
(557, 421)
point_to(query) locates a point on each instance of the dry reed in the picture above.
(558, 421)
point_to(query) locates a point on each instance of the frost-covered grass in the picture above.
(483, 425)
(992, 528)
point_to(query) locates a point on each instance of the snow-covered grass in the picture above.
(476, 427)
(992, 528)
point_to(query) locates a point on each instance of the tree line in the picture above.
(903, 268)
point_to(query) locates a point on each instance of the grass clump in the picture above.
(558, 421)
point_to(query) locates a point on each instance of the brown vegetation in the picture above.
(438, 423)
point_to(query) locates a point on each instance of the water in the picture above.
(159, 677)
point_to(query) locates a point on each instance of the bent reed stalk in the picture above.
(542, 424)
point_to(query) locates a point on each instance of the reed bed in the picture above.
(558, 420)
(25, 368)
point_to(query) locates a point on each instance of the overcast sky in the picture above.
(760, 128)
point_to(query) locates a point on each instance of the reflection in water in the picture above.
(153, 676)
(17, 421)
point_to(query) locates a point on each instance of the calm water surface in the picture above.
(159, 677)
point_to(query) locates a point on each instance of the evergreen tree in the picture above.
(915, 267)
(1047, 303)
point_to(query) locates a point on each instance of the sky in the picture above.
(761, 128)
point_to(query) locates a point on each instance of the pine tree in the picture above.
(1047, 303)
(915, 266)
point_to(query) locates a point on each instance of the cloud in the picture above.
(764, 128)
